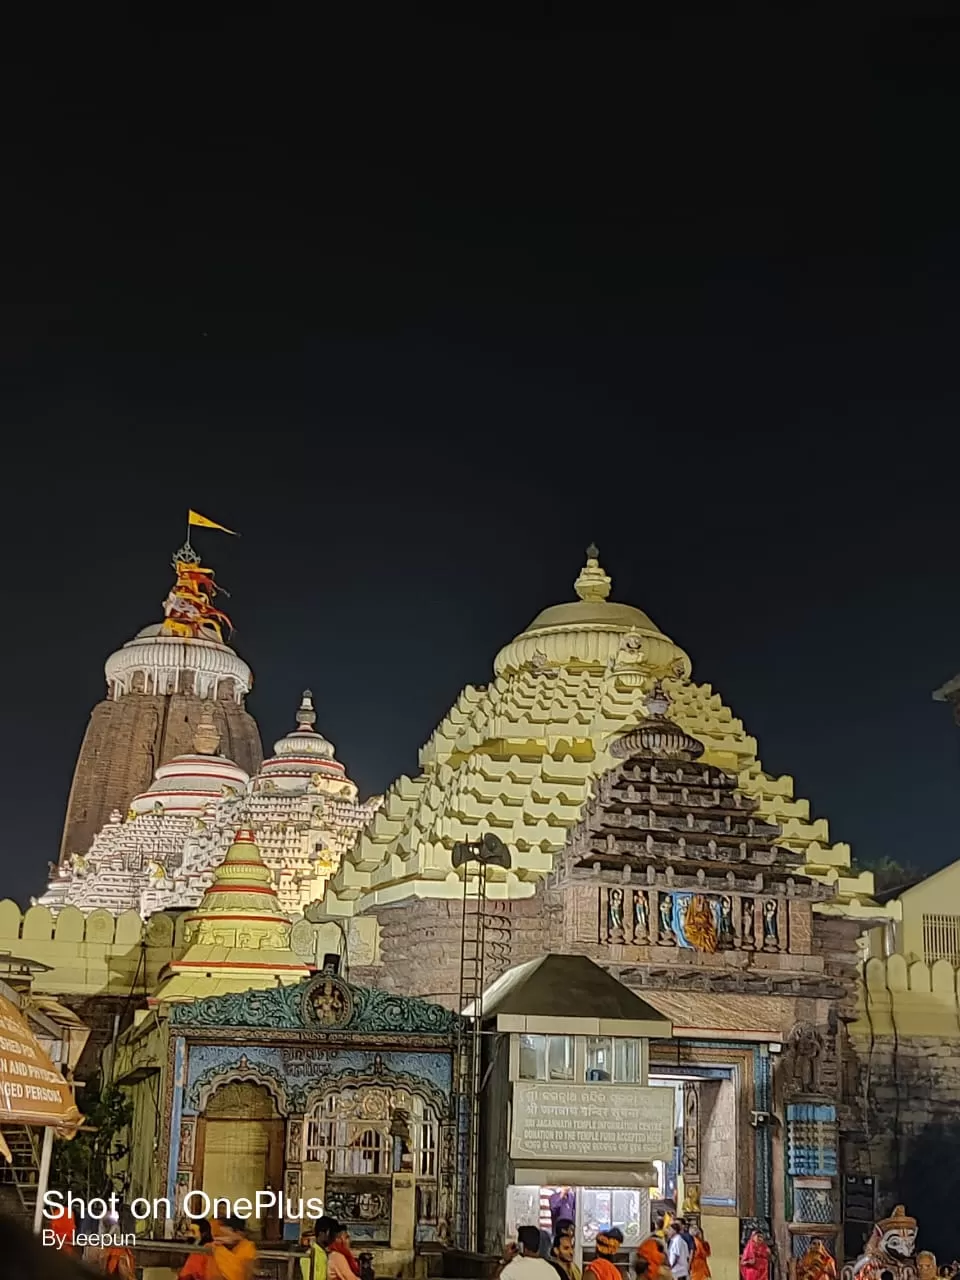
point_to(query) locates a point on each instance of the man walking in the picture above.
(678, 1255)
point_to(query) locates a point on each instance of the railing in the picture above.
(271, 1264)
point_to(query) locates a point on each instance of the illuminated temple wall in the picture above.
(907, 1038)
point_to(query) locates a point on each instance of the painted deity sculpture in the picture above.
(615, 912)
(890, 1249)
(641, 915)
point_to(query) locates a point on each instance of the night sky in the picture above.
(422, 311)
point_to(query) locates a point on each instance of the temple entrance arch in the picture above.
(240, 1139)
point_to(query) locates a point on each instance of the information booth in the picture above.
(571, 1126)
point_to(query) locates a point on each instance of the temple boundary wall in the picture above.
(95, 954)
(900, 998)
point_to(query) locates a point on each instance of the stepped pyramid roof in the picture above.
(238, 938)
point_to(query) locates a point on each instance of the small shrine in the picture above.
(251, 1072)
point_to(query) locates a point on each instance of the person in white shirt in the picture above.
(678, 1255)
(526, 1263)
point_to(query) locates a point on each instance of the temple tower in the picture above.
(157, 685)
(238, 938)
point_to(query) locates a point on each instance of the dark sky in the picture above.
(423, 310)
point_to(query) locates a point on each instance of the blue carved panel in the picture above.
(812, 1140)
(294, 1073)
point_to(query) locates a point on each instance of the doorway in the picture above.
(240, 1149)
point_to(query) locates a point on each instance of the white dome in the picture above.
(187, 784)
(155, 663)
(301, 753)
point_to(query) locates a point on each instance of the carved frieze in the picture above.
(320, 1003)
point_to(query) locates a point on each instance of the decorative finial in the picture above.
(306, 716)
(186, 555)
(592, 584)
(206, 737)
(657, 701)
(655, 735)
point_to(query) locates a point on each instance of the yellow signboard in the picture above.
(32, 1090)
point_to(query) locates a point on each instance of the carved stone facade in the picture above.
(674, 883)
(127, 739)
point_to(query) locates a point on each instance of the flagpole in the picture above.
(187, 543)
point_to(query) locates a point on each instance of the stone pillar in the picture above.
(403, 1211)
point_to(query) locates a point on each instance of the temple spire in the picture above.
(592, 583)
(306, 714)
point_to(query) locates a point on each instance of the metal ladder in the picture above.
(19, 1181)
(467, 1050)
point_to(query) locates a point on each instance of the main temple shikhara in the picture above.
(665, 920)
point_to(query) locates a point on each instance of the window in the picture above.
(560, 1057)
(546, 1058)
(609, 1059)
(533, 1057)
(626, 1061)
(599, 1058)
(349, 1134)
(941, 938)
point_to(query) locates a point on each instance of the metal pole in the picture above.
(44, 1178)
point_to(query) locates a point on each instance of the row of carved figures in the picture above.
(704, 922)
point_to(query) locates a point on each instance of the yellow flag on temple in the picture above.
(195, 518)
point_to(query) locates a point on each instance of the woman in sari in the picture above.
(755, 1259)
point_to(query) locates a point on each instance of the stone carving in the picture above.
(372, 1011)
(615, 915)
(187, 1136)
(806, 1049)
(747, 919)
(691, 1131)
(327, 1001)
(666, 921)
(726, 935)
(771, 931)
(641, 916)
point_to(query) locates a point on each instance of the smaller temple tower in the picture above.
(157, 684)
(238, 939)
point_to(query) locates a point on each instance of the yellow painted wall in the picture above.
(937, 895)
(908, 999)
(97, 954)
(723, 1236)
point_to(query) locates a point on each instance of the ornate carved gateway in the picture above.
(319, 1089)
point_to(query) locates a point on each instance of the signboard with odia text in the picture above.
(32, 1090)
(628, 1124)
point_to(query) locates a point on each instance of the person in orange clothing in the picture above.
(234, 1253)
(118, 1261)
(200, 1266)
(603, 1266)
(650, 1260)
(700, 1261)
(65, 1225)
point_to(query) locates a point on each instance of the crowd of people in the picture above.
(674, 1250)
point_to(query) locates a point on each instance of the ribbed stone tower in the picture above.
(157, 686)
